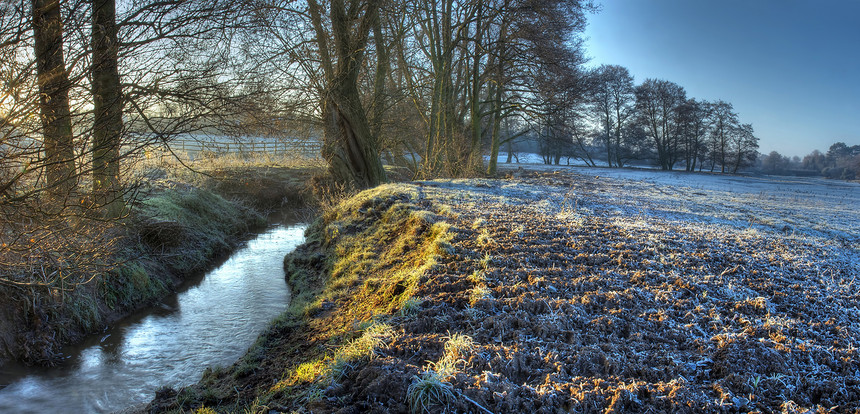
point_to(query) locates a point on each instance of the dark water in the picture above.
(211, 323)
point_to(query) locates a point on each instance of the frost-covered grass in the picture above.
(812, 206)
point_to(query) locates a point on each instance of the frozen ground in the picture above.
(639, 290)
(572, 289)
(813, 206)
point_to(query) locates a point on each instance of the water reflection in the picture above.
(211, 323)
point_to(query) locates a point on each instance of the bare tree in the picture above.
(723, 122)
(107, 108)
(534, 39)
(694, 128)
(657, 102)
(613, 100)
(744, 147)
(342, 34)
(55, 113)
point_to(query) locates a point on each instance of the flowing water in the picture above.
(210, 323)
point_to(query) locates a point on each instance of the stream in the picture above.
(210, 322)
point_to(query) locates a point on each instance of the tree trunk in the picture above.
(107, 109)
(497, 123)
(350, 148)
(383, 66)
(54, 87)
(475, 159)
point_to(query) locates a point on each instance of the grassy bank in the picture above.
(563, 292)
(353, 279)
(179, 223)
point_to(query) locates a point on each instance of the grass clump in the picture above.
(410, 307)
(428, 390)
(129, 284)
(479, 293)
(432, 387)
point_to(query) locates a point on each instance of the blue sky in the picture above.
(791, 68)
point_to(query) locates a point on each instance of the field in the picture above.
(584, 290)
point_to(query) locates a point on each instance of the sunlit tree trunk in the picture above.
(107, 108)
(54, 87)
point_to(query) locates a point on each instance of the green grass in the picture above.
(130, 284)
(410, 307)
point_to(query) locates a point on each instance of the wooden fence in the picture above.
(193, 148)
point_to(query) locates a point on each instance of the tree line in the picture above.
(431, 85)
(87, 85)
(615, 121)
(840, 162)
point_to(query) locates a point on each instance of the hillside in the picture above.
(565, 291)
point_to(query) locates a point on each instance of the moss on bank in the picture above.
(356, 273)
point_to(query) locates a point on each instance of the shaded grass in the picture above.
(190, 227)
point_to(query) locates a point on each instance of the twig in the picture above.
(474, 402)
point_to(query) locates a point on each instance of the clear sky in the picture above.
(791, 68)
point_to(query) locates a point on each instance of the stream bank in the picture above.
(176, 229)
(210, 321)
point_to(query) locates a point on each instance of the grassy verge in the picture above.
(355, 276)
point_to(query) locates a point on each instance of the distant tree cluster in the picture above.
(614, 120)
(841, 162)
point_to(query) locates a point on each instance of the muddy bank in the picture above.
(555, 292)
(175, 230)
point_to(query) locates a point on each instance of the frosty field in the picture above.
(585, 290)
